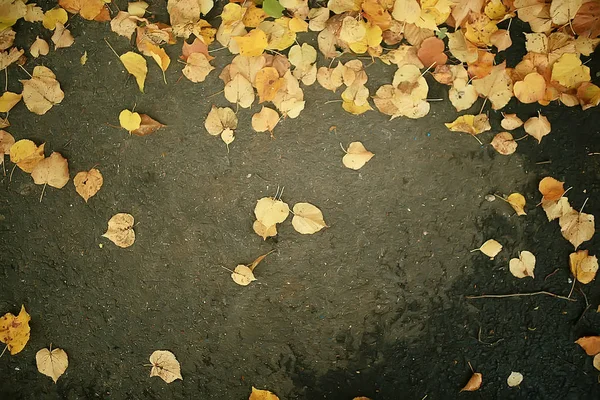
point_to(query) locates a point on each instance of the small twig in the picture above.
(220, 48)
(470, 366)
(593, 154)
(113, 50)
(214, 94)
(43, 190)
(476, 138)
(521, 138)
(489, 344)
(333, 101)
(584, 203)
(501, 296)
(11, 172)
(6, 79)
(544, 162)
(25, 71)
(551, 273)
(483, 105)
(573, 286)
(5, 347)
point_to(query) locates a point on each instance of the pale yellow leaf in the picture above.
(356, 156)
(523, 266)
(308, 219)
(165, 366)
(120, 230)
(52, 363)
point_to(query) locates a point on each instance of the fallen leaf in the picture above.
(7, 38)
(461, 48)
(253, 43)
(39, 47)
(62, 37)
(504, 143)
(523, 266)
(538, 127)
(308, 219)
(52, 363)
(472, 124)
(273, 8)
(462, 95)
(556, 208)
(88, 183)
(130, 121)
(9, 57)
(501, 39)
(569, 71)
(511, 122)
(120, 230)
(264, 231)
(15, 331)
(42, 91)
(267, 83)
(197, 46)
(197, 67)
(258, 394)
(239, 91)
(33, 13)
(577, 227)
(265, 120)
(431, 52)
(220, 119)
(591, 344)
(356, 156)
(136, 65)
(244, 274)
(147, 126)
(331, 78)
(551, 189)
(563, 11)
(474, 383)
(583, 266)
(490, 248)
(531, 89)
(52, 171)
(51, 17)
(596, 362)
(124, 24)
(497, 86)
(6, 142)
(270, 211)
(137, 8)
(517, 201)
(514, 379)
(8, 100)
(26, 154)
(165, 365)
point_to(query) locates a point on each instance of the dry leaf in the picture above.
(267, 83)
(308, 219)
(9, 57)
(62, 37)
(129, 121)
(124, 24)
(137, 8)
(523, 266)
(538, 127)
(26, 154)
(88, 183)
(136, 65)
(52, 363)
(165, 365)
(431, 52)
(556, 208)
(490, 248)
(7, 38)
(517, 201)
(596, 362)
(42, 91)
(501, 39)
(583, 267)
(6, 142)
(497, 86)
(551, 189)
(462, 95)
(220, 119)
(253, 43)
(51, 17)
(258, 394)
(264, 231)
(39, 47)
(591, 344)
(244, 274)
(356, 156)
(474, 383)
(514, 379)
(8, 100)
(472, 124)
(15, 331)
(197, 67)
(569, 71)
(265, 120)
(511, 122)
(120, 230)
(577, 227)
(239, 91)
(270, 211)
(531, 89)
(504, 143)
(52, 171)
(147, 126)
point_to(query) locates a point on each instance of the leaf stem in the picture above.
(502, 296)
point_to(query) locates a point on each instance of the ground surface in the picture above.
(374, 305)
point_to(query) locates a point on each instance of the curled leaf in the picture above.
(583, 266)
(474, 383)
(523, 266)
(517, 201)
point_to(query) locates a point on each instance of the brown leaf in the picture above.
(551, 189)
(474, 383)
(591, 344)
(511, 122)
(42, 91)
(577, 227)
(197, 67)
(9, 57)
(120, 230)
(538, 127)
(147, 126)
(265, 120)
(504, 143)
(53, 171)
(88, 183)
(6, 142)
(431, 52)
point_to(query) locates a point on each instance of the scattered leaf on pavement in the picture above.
(88, 183)
(523, 266)
(165, 365)
(15, 331)
(356, 156)
(308, 219)
(120, 230)
(583, 266)
(52, 363)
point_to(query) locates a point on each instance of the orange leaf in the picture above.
(431, 52)
(591, 344)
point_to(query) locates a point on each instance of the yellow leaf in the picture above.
(514, 379)
(308, 219)
(88, 183)
(165, 366)
(130, 121)
(583, 267)
(239, 91)
(270, 211)
(26, 154)
(577, 227)
(523, 266)
(267, 83)
(265, 120)
(264, 231)
(531, 89)
(517, 201)
(136, 65)
(53, 16)
(242, 275)
(83, 58)
(53, 171)
(253, 43)
(8, 100)
(472, 124)
(298, 25)
(490, 248)
(52, 363)
(356, 156)
(120, 230)
(258, 394)
(219, 119)
(42, 91)
(569, 71)
(562, 11)
(407, 11)
(538, 127)
(137, 8)
(497, 86)
(253, 16)
(15, 331)
(39, 47)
